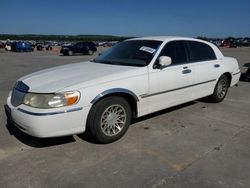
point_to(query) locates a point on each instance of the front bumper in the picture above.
(47, 123)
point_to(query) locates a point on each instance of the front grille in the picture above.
(18, 93)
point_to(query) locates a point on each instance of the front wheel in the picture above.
(109, 119)
(220, 90)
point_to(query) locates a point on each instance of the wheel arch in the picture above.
(229, 77)
(128, 95)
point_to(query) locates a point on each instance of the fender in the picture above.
(113, 91)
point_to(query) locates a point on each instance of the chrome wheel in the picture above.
(222, 88)
(113, 120)
(109, 119)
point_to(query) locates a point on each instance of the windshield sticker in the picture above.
(147, 49)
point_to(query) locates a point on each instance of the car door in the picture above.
(169, 86)
(206, 68)
(84, 47)
(78, 47)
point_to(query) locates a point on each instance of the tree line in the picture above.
(62, 37)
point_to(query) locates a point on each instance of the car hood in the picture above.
(84, 73)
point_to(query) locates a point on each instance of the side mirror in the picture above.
(165, 61)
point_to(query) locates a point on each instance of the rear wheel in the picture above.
(90, 52)
(220, 90)
(109, 119)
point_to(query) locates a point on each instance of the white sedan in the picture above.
(134, 78)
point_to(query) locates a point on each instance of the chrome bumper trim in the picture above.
(236, 73)
(49, 113)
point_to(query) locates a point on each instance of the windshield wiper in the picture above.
(107, 62)
(111, 62)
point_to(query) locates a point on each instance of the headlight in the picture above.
(51, 100)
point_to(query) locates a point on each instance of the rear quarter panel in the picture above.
(230, 65)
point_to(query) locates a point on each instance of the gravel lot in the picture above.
(197, 144)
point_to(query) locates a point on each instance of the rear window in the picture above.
(90, 43)
(201, 51)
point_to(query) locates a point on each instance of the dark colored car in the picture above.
(79, 48)
(2, 45)
(21, 47)
(233, 44)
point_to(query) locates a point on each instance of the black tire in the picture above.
(98, 114)
(70, 53)
(248, 74)
(220, 90)
(90, 52)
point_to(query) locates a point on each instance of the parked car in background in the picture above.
(47, 45)
(8, 46)
(79, 48)
(39, 46)
(2, 45)
(136, 77)
(109, 44)
(43, 46)
(65, 44)
(21, 47)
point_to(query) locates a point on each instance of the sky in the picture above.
(211, 18)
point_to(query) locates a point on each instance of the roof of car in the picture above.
(164, 38)
(170, 38)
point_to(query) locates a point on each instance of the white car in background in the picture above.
(134, 78)
(8, 46)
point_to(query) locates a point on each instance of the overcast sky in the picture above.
(212, 18)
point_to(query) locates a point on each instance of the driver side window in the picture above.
(177, 51)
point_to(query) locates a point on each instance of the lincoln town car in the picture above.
(134, 78)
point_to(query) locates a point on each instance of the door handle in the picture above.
(216, 66)
(186, 71)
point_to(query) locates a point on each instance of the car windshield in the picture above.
(130, 53)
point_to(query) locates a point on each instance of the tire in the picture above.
(220, 90)
(70, 53)
(90, 52)
(248, 74)
(109, 119)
